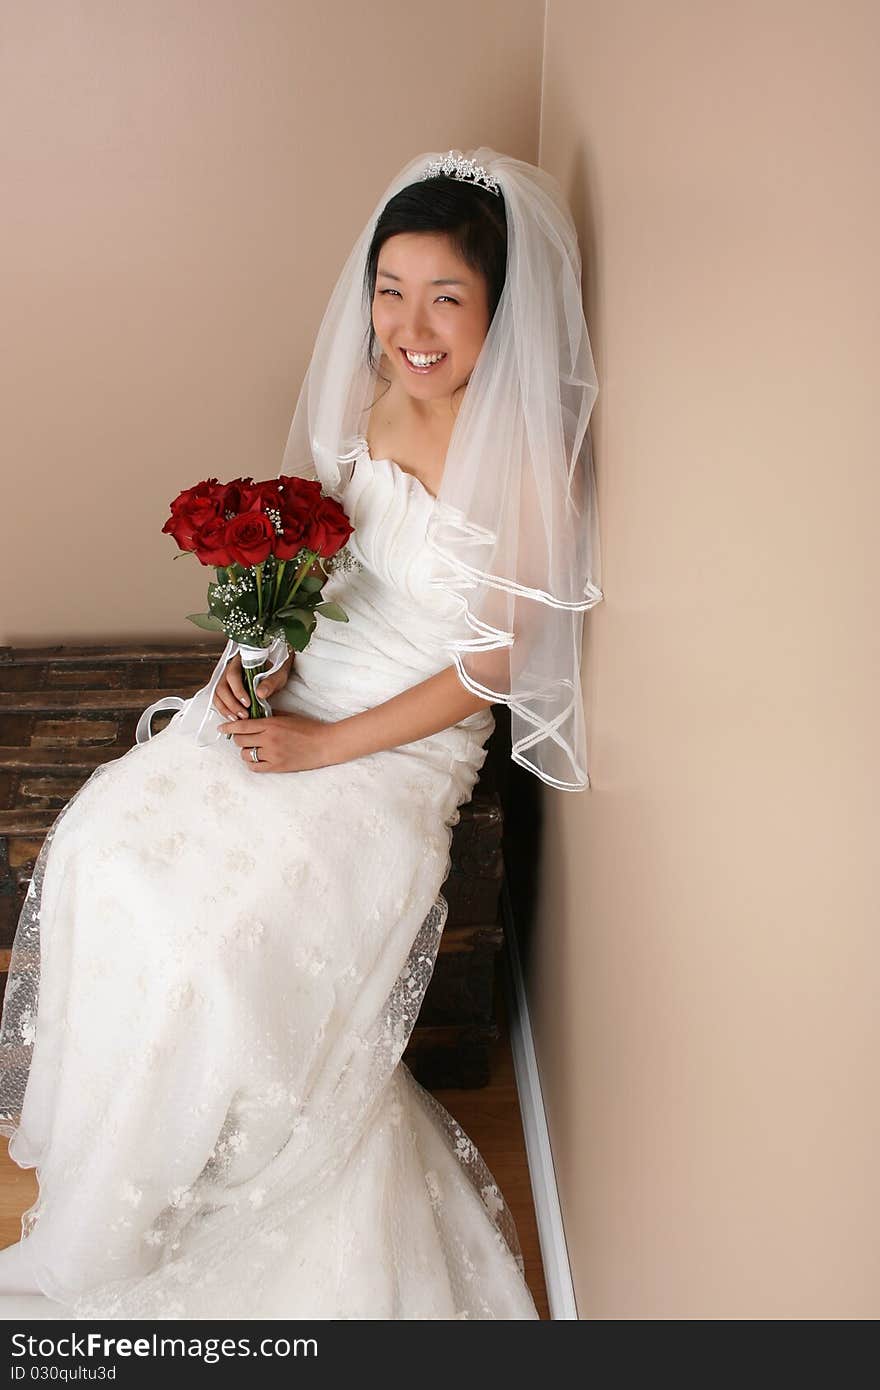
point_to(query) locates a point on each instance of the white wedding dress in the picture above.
(214, 976)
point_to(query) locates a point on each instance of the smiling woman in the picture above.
(215, 974)
(411, 322)
(433, 294)
(477, 259)
(435, 289)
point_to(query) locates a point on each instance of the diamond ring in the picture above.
(255, 755)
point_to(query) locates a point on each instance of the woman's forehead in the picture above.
(427, 256)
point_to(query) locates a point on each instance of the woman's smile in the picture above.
(423, 365)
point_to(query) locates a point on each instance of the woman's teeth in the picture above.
(422, 361)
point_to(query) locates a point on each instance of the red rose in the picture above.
(300, 487)
(300, 511)
(226, 523)
(271, 494)
(192, 509)
(240, 495)
(192, 497)
(329, 528)
(250, 537)
(211, 546)
(182, 529)
(296, 513)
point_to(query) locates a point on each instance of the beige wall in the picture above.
(704, 985)
(182, 184)
(703, 978)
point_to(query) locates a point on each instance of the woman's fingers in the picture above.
(280, 677)
(231, 698)
(234, 676)
(227, 703)
(270, 684)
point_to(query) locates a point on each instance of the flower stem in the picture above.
(278, 577)
(256, 709)
(311, 557)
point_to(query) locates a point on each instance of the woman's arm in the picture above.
(424, 709)
(291, 742)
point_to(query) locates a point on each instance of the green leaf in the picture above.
(216, 603)
(205, 620)
(332, 610)
(306, 616)
(311, 584)
(297, 636)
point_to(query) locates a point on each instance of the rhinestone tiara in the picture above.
(454, 164)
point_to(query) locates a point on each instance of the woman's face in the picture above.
(411, 310)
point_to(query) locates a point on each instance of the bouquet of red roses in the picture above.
(272, 545)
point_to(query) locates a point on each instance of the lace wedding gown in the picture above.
(213, 980)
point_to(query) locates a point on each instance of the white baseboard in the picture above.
(539, 1156)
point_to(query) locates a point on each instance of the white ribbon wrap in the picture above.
(194, 715)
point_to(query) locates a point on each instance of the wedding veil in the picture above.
(515, 526)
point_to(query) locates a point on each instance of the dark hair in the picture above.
(472, 217)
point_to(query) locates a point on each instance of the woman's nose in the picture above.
(419, 332)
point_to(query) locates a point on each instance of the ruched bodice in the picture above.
(389, 509)
(399, 619)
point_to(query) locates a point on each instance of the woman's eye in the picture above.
(440, 296)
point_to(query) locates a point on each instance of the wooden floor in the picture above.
(18, 1189)
(489, 1116)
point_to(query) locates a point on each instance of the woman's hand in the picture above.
(285, 742)
(231, 697)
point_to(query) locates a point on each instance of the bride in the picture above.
(216, 971)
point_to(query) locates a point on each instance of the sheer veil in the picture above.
(515, 527)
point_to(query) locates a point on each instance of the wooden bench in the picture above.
(66, 709)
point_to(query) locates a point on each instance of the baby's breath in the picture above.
(344, 559)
